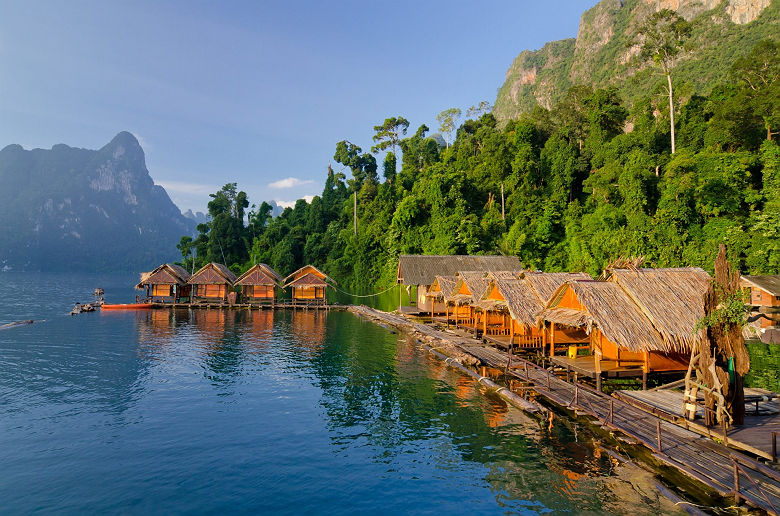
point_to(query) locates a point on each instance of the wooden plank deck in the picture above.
(585, 366)
(755, 436)
(711, 463)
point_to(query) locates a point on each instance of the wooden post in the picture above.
(658, 429)
(484, 323)
(552, 340)
(645, 368)
(511, 332)
(457, 311)
(447, 314)
(597, 360)
(611, 410)
(544, 337)
(774, 446)
(400, 290)
(736, 482)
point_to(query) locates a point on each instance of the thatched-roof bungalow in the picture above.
(421, 270)
(639, 320)
(259, 285)
(439, 291)
(468, 289)
(308, 285)
(512, 301)
(764, 297)
(165, 284)
(212, 283)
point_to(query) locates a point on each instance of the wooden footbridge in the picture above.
(722, 469)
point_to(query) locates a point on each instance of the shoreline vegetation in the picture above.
(569, 188)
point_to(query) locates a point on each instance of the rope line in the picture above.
(365, 295)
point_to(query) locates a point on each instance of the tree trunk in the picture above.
(738, 402)
(671, 107)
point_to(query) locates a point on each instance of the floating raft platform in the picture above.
(248, 306)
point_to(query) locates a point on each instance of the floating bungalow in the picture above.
(308, 285)
(440, 291)
(212, 283)
(764, 301)
(469, 288)
(511, 302)
(259, 285)
(165, 284)
(420, 271)
(637, 322)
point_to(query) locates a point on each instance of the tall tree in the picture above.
(363, 165)
(759, 75)
(476, 112)
(448, 121)
(661, 38)
(388, 135)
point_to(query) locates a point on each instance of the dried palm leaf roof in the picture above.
(423, 269)
(673, 300)
(260, 274)
(611, 310)
(508, 275)
(213, 274)
(526, 295)
(476, 282)
(165, 274)
(308, 280)
(306, 270)
(768, 282)
(444, 286)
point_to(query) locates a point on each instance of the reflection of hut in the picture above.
(637, 322)
(308, 285)
(421, 271)
(166, 284)
(259, 284)
(511, 302)
(212, 283)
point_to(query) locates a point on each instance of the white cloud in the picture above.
(290, 182)
(183, 187)
(291, 204)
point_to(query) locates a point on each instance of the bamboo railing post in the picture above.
(736, 482)
(576, 393)
(774, 446)
(658, 429)
(611, 411)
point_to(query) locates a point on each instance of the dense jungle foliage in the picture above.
(590, 180)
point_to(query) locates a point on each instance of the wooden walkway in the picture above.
(724, 470)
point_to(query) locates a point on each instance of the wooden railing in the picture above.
(747, 466)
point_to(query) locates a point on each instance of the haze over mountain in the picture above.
(603, 53)
(67, 208)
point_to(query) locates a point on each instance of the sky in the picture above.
(257, 92)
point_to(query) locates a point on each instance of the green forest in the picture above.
(566, 189)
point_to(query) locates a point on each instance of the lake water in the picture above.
(286, 412)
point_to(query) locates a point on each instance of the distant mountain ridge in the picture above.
(601, 55)
(71, 208)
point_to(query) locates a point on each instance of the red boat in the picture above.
(127, 306)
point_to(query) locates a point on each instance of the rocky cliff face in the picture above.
(602, 55)
(67, 207)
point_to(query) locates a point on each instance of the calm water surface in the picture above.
(288, 412)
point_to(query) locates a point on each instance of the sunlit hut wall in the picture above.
(212, 283)
(308, 285)
(259, 285)
(165, 284)
(512, 301)
(420, 271)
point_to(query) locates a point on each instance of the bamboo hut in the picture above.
(469, 288)
(165, 284)
(420, 271)
(511, 302)
(763, 293)
(440, 290)
(212, 283)
(259, 285)
(308, 285)
(638, 321)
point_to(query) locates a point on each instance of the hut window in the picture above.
(161, 290)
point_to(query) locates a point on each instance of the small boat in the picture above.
(127, 306)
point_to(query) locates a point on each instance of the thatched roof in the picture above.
(308, 270)
(507, 275)
(213, 274)
(673, 300)
(546, 283)
(307, 280)
(165, 274)
(611, 310)
(444, 285)
(769, 282)
(423, 269)
(525, 295)
(476, 282)
(260, 274)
